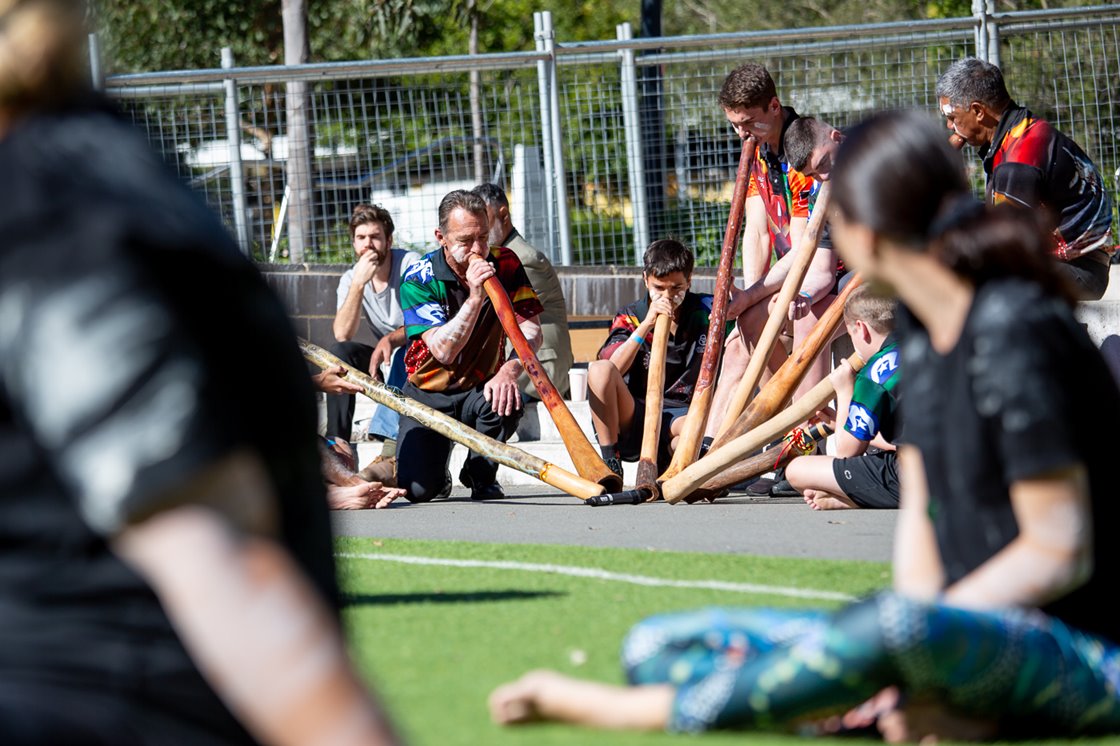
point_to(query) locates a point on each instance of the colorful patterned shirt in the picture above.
(786, 192)
(683, 356)
(1032, 164)
(432, 294)
(874, 406)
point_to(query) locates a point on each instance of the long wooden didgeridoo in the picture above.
(587, 460)
(688, 445)
(781, 385)
(806, 250)
(718, 469)
(655, 396)
(452, 429)
(797, 442)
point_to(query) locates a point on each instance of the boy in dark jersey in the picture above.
(867, 402)
(617, 380)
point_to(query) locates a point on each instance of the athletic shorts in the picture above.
(871, 480)
(630, 442)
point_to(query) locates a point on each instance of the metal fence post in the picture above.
(233, 135)
(987, 31)
(980, 35)
(632, 126)
(546, 135)
(993, 33)
(558, 176)
(96, 74)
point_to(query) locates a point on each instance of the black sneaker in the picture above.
(448, 485)
(614, 464)
(782, 487)
(490, 492)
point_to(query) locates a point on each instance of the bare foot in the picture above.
(361, 496)
(818, 500)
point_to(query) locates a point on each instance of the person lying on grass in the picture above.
(994, 626)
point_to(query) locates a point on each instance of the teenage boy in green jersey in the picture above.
(859, 475)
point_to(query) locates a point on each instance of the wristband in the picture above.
(803, 294)
(637, 339)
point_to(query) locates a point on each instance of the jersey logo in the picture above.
(420, 272)
(428, 314)
(884, 367)
(861, 423)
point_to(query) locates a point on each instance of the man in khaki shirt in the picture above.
(555, 353)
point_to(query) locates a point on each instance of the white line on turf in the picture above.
(592, 572)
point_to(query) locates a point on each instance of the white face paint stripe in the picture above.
(947, 110)
(597, 574)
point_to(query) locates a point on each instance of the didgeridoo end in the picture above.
(610, 482)
(646, 479)
(626, 497)
(957, 141)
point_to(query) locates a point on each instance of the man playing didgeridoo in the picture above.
(617, 380)
(863, 473)
(1029, 163)
(994, 628)
(457, 362)
(779, 200)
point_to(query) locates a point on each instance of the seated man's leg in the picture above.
(1088, 275)
(340, 407)
(476, 412)
(731, 369)
(422, 454)
(822, 363)
(612, 406)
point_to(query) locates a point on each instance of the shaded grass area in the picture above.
(436, 640)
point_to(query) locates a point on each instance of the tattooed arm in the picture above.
(448, 340)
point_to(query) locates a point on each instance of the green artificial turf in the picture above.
(435, 640)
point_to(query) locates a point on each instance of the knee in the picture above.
(600, 373)
(796, 473)
(420, 490)
(353, 353)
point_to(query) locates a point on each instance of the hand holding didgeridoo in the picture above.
(587, 460)
(688, 444)
(806, 250)
(452, 429)
(719, 469)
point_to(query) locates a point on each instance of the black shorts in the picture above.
(871, 480)
(630, 442)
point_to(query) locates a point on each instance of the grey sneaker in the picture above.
(614, 464)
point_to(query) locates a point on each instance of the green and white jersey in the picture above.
(874, 407)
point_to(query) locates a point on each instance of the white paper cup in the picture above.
(577, 384)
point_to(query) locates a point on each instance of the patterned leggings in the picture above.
(764, 668)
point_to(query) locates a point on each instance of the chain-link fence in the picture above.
(601, 146)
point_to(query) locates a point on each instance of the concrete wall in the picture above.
(308, 291)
